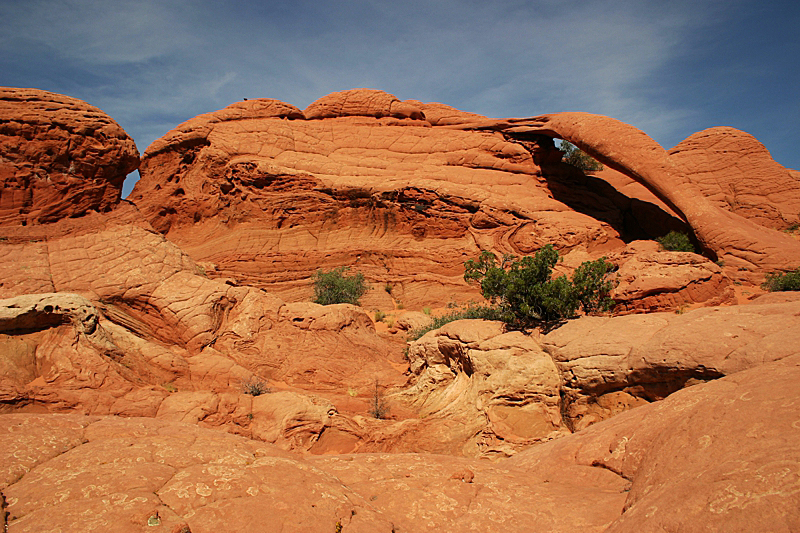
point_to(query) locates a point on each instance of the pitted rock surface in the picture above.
(59, 157)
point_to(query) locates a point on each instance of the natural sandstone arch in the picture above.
(732, 238)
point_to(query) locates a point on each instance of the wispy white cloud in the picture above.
(103, 32)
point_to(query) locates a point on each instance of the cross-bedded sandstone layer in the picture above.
(265, 193)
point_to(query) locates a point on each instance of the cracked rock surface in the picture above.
(678, 463)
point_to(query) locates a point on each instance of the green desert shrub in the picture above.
(592, 286)
(334, 287)
(524, 293)
(782, 281)
(675, 241)
(577, 158)
(255, 387)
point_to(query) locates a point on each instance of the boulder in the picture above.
(502, 387)
(411, 320)
(650, 279)
(609, 364)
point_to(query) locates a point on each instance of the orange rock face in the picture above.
(195, 401)
(650, 279)
(59, 157)
(156, 320)
(610, 364)
(737, 173)
(365, 180)
(739, 242)
(719, 455)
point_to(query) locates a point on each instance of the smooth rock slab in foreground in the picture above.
(720, 456)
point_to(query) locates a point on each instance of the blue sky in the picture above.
(670, 68)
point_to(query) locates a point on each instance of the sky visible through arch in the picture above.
(671, 68)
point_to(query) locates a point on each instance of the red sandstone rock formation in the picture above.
(501, 387)
(162, 322)
(609, 364)
(59, 157)
(266, 198)
(102, 315)
(741, 243)
(720, 455)
(737, 173)
(650, 279)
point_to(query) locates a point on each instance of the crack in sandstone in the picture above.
(4, 503)
(600, 464)
(3, 511)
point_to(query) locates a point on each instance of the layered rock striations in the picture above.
(737, 173)
(149, 335)
(264, 193)
(360, 179)
(59, 157)
(734, 239)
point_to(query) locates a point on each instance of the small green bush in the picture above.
(255, 387)
(524, 292)
(782, 281)
(577, 158)
(333, 287)
(592, 286)
(379, 316)
(675, 241)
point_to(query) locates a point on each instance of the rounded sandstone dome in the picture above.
(362, 103)
(195, 131)
(59, 157)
